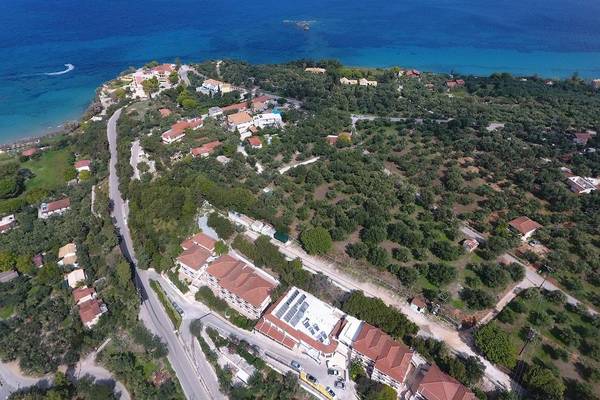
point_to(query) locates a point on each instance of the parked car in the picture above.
(331, 371)
(331, 392)
(296, 365)
(311, 379)
(339, 384)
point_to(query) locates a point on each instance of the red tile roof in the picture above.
(194, 257)
(241, 117)
(179, 127)
(419, 301)
(163, 68)
(371, 342)
(206, 148)
(395, 362)
(164, 112)
(89, 310)
(200, 239)
(524, 225)
(241, 279)
(254, 141)
(30, 152)
(59, 204)
(436, 385)
(82, 292)
(235, 107)
(583, 137)
(82, 164)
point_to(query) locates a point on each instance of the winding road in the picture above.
(196, 383)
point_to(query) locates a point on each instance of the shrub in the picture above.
(496, 345)
(316, 240)
(221, 225)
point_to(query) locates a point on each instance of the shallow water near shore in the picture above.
(553, 38)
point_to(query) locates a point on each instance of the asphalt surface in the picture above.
(195, 383)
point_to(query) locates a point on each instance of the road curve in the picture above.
(151, 311)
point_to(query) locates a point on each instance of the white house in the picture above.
(7, 223)
(58, 207)
(240, 121)
(266, 120)
(75, 277)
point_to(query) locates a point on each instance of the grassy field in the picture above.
(49, 169)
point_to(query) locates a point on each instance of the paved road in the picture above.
(277, 356)
(151, 311)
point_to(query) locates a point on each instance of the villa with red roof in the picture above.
(240, 121)
(82, 165)
(240, 285)
(30, 152)
(58, 207)
(436, 385)
(90, 312)
(386, 360)
(177, 131)
(525, 227)
(83, 294)
(205, 150)
(198, 250)
(255, 142)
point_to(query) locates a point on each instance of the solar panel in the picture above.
(284, 307)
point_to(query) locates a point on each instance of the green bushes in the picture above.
(221, 225)
(183, 288)
(496, 345)
(316, 240)
(169, 309)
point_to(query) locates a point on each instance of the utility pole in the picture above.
(548, 270)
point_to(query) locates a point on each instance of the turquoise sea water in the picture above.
(553, 38)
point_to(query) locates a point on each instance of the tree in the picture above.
(221, 225)
(496, 345)
(316, 240)
(25, 265)
(440, 274)
(7, 261)
(151, 85)
(221, 248)
(543, 384)
(174, 78)
(123, 273)
(476, 299)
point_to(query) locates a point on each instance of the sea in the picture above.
(55, 53)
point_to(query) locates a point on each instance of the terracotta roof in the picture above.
(163, 68)
(254, 141)
(194, 257)
(206, 148)
(179, 127)
(371, 342)
(436, 385)
(89, 310)
(38, 260)
(524, 225)
(82, 164)
(583, 137)
(59, 204)
(395, 362)
(30, 152)
(164, 112)
(82, 292)
(235, 107)
(419, 301)
(239, 118)
(240, 279)
(200, 239)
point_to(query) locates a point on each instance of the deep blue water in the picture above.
(553, 38)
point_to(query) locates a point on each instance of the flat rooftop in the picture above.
(307, 314)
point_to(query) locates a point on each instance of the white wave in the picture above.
(70, 67)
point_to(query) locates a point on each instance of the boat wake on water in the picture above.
(70, 67)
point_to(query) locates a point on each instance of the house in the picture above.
(333, 139)
(58, 207)
(8, 276)
(82, 165)
(315, 70)
(346, 81)
(386, 360)
(470, 245)
(261, 103)
(525, 227)
(67, 255)
(454, 83)
(582, 138)
(436, 385)
(177, 131)
(38, 260)
(7, 223)
(581, 185)
(75, 277)
(234, 108)
(90, 312)
(265, 120)
(240, 121)
(240, 285)
(165, 112)
(205, 149)
(596, 83)
(30, 152)
(255, 142)
(215, 112)
(213, 86)
(162, 72)
(366, 82)
(197, 252)
(412, 73)
(300, 320)
(418, 304)
(83, 294)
